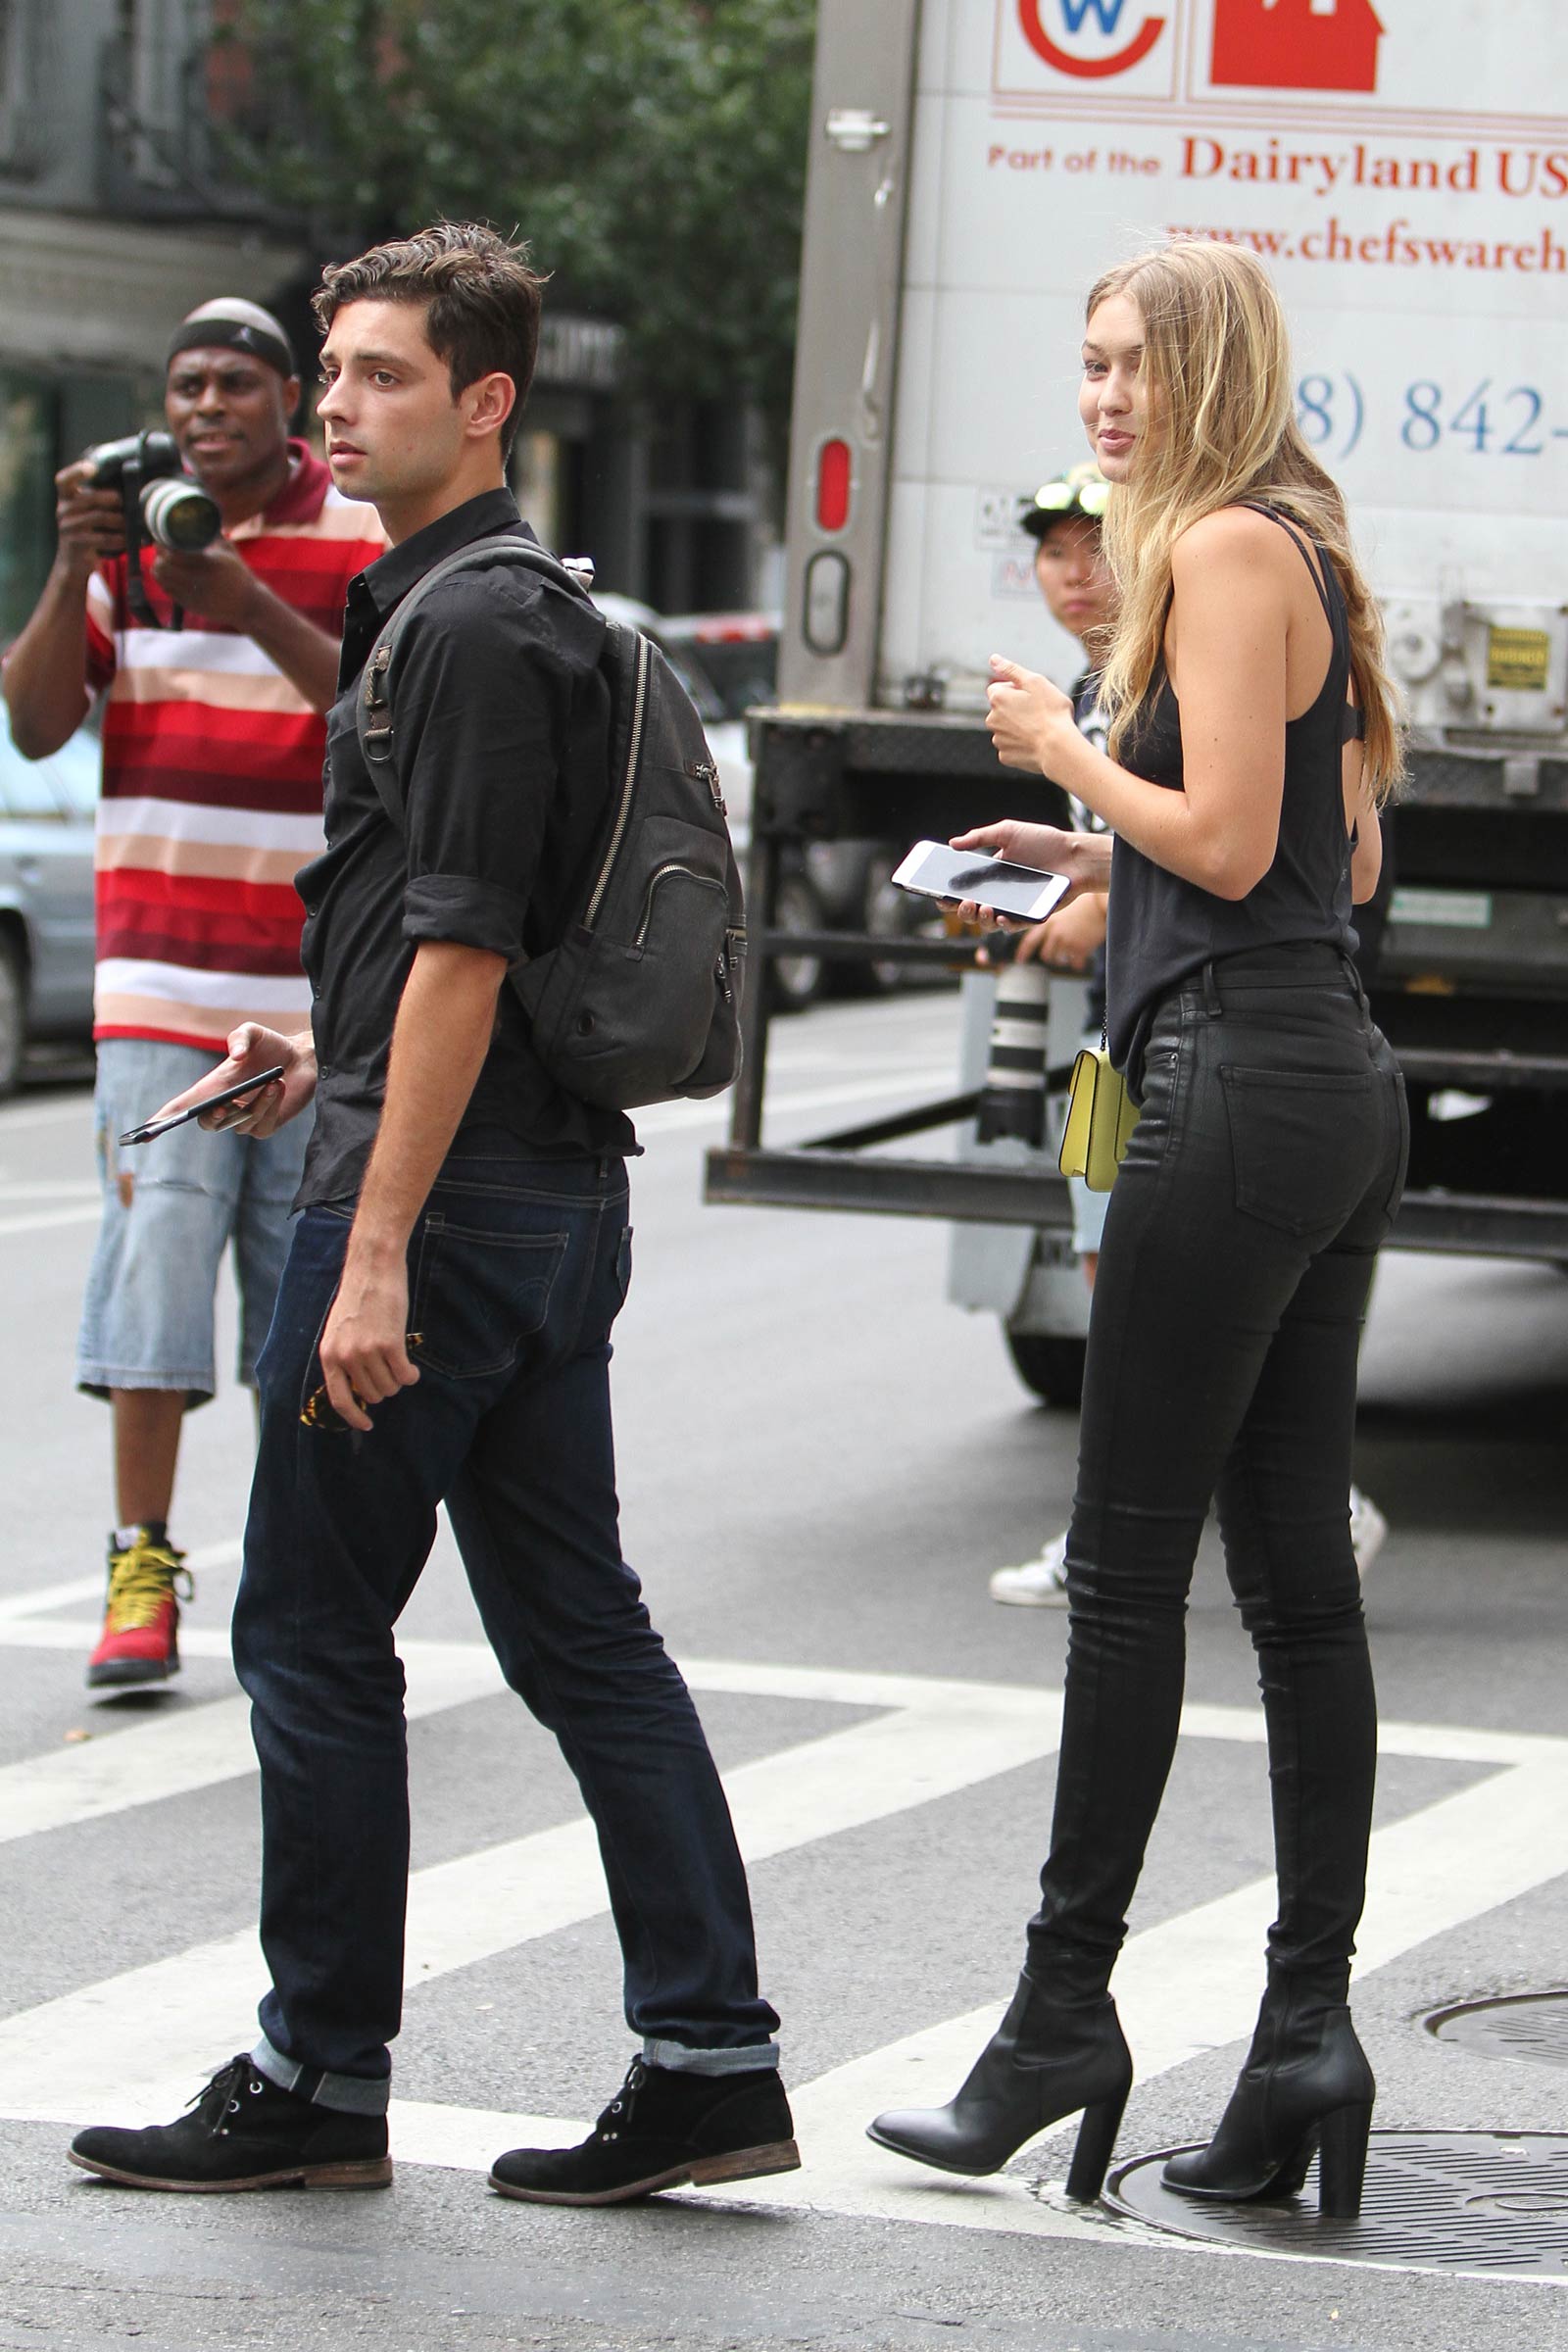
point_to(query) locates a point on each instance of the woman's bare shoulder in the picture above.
(1231, 535)
(1231, 552)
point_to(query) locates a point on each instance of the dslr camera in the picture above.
(163, 505)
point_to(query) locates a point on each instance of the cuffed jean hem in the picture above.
(677, 2059)
(198, 1388)
(345, 2094)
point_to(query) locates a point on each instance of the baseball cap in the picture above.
(1081, 491)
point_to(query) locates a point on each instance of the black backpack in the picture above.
(639, 1000)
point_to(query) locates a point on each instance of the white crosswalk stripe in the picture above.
(152, 2028)
(133, 2043)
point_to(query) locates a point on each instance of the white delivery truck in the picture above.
(1400, 166)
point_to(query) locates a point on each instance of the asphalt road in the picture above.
(821, 1462)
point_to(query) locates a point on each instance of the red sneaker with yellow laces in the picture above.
(140, 1639)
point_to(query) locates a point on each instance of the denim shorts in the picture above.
(171, 1209)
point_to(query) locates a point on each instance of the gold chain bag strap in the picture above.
(1100, 1118)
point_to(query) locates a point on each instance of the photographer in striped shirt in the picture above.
(215, 673)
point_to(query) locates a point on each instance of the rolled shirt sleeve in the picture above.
(471, 913)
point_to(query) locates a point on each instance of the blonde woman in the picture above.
(1253, 736)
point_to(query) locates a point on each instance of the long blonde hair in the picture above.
(1217, 367)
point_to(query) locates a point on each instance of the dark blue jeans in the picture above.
(516, 1272)
(1261, 1178)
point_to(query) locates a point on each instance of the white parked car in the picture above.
(46, 896)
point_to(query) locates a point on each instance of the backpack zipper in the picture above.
(634, 754)
(707, 773)
(707, 881)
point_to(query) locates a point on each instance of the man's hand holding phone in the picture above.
(251, 1051)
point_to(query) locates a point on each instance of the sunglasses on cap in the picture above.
(1054, 502)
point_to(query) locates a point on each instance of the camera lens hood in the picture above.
(180, 515)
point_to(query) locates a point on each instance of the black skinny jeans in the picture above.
(1262, 1176)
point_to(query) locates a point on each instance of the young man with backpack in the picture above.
(442, 1330)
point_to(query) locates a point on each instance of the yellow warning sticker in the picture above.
(1517, 658)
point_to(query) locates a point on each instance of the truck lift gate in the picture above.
(897, 777)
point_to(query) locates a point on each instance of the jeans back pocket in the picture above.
(479, 1297)
(1304, 1144)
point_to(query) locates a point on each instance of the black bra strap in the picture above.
(1312, 556)
(1352, 725)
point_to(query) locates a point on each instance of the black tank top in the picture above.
(1162, 928)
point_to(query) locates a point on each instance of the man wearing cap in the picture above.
(214, 742)
(1064, 519)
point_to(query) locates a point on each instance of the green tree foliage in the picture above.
(651, 151)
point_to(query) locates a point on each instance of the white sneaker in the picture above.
(1368, 1530)
(1039, 1584)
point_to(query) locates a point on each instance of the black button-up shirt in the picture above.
(501, 746)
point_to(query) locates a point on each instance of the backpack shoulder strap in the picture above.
(372, 697)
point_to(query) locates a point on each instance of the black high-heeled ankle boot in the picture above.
(1306, 2087)
(1048, 2058)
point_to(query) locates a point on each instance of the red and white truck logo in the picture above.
(1296, 44)
(1086, 64)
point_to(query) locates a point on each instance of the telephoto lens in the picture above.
(171, 507)
(181, 515)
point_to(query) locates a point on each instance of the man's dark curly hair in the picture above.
(482, 301)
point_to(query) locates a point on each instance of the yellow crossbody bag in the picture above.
(1100, 1118)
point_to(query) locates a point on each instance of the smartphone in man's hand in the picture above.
(150, 1128)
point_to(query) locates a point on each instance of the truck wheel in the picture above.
(1054, 1368)
(13, 1014)
(879, 909)
(889, 913)
(796, 981)
(892, 913)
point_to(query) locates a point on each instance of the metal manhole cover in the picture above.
(1491, 2202)
(1530, 2026)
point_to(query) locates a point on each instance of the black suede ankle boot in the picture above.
(242, 2132)
(665, 2129)
(1306, 2087)
(1050, 2056)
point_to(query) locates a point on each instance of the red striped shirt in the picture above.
(211, 787)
